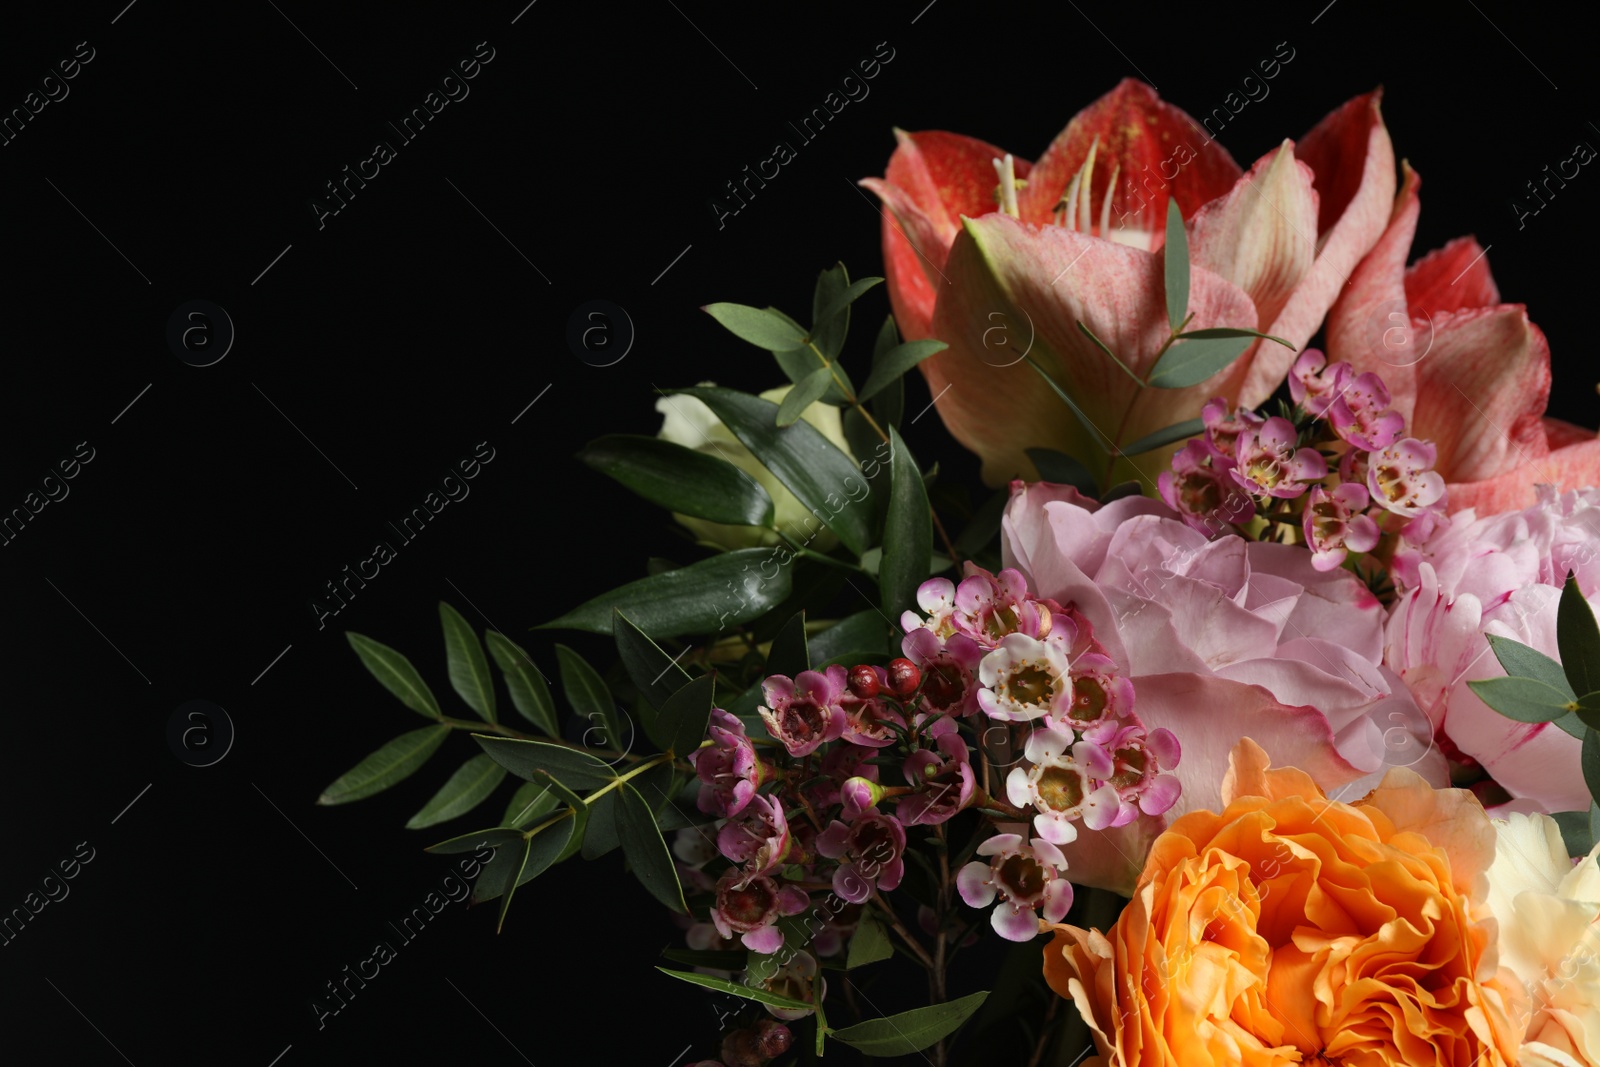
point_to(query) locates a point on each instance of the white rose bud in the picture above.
(690, 423)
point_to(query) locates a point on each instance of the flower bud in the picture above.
(773, 1038)
(904, 677)
(864, 681)
(857, 795)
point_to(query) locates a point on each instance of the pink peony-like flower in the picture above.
(1025, 876)
(870, 847)
(944, 775)
(1060, 785)
(1335, 524)
(1497, 575)
(806, 712)
(1220, 639)
(1401, 477)
(730, 772)
(1270, 463)
(1201, 487)
(1360, 413)
(749, 908)
(1314, 383)
(759, 838)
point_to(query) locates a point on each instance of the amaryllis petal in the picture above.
(1017, 289)
(1450, 279)
(1571, 466)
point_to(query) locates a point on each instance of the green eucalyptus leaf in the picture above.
(702, 598)
(907, 533)
(394, 762)
(1176, 258)
(910, 1031)
(1096, 436)
(1591, 762)
(646, 850)
(1576, 834)
(468, 666)
(761, 328)
(1061, 468)
(601, 835)
(681, 479)
(530, 803)
(499, 876)
(1214, 333)
(1588, 711)
(896, 362)
(654, 673)
(869, 944)
(396, 673)
(1188, 363)
(722, 985)
(838, 300)
(527, 759)
(468, 787)
(1522, 661)
(1578, 639)
(586, 691)
(683, 718)
(1083, 328)
(801, 395)
(529, 692)
(1522, 699)
(1571, 724)
(1161, 438)
(493, 837)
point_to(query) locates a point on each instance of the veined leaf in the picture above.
(1522, 699)
(493, 837)
(907, 533)
(681, 479)
(870, 943)
(468, 787)
(761, 328)
(1176, 259)
(589, 696)
(683, 718)
(531, 802)
(801, 395)
(1214, 333)
(526, 759)
(1191, 362)
(704, 597)
(392, 763)
(1523, 661)
(601, 835)
(1578, 639)
(1161, 438)
(654, 673)
(838, 300)
(529, 692)
(646, 850)
(468, 667)
(896, 362)
(865, 629)
(910, 1031)
(396, 673)
(722, 985)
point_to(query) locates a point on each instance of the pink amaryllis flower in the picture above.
(805, 712)
(1026, 876)
(1465, 371)
(997, 275)
(870, 848)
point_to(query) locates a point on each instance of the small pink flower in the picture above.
(1334, 524)
(868, 722)
(1222, 429)
(949, 670)
(1401, 477)
(871, 847)
(749, 908)
(730, 772)
(1060, 785)
(991, 606)
(1025, 679)
(805, 713)
(759, 838)
(944, 775)
(840, 763)
(1271, 464)
(1362, 416)
(1099, 692)
(1200, 487)
(937, 599)
(793, 980)
(1315, 384)
(1024, 877)
(1140, 762)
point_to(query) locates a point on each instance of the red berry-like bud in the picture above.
(903, 678)
(773, 1038)
(864, 681)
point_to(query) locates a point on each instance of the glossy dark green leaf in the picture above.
(468, 787)
(1522, 661)
(590, 698)
(1177, 265)
(1522, 699)
(530, 803)
(601, 835)
(394, 762)
(702, 598)
(910, 1031)
(788, 655)
(869, 944)
(865, 629)
(1576, 833)
(1219, 332)
(1062, 469)
(468, 666)
(761, 328)
(494, 837)
(907, 532)
(681, 479)
(801, 395)
(722, 985)
(578, 834)
(896, 362)
(682, 722)
(1588, 710)
(530, 694)
(814, 469)
(1591, 762)
(1189, 363)
(647, 851)
(572, 768)
(655, 674)
(1578, 639)
(1161, 438)
(396, 673)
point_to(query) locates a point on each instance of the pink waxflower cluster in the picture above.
(1340, 463)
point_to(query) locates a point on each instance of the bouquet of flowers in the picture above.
(1256, 711)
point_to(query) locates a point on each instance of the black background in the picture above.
(414, 325)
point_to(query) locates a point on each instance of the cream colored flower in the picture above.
(690, 423)
(1549, 916)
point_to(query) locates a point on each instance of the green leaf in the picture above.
(1083, 328)
(682, 722)
(1177, 265)
(1522, 699)
(1578, 639)
(910, 1031)
(1061, 468)
(1571, 724)
(704, 597)
(1591, 762)
(1521, 661)
(1188, 363)
(1588, 711)
(531, 802)
(1096, 436)
(865, 629)
(870, 943)
(761, 328)
(1219, 332)
(889, 403)
(722, 985)
(1161, 438)
(799, 456)
(1576, 834)
(499, 875)
(838, 300)
(907, 532)
(470, 786)
(589, 697)
(396, 673)
(788, 655)
(801, 395)
(1594, 820)
(681, 479)
(579, 833)
(525, 759)
(646, 850)
(494, 837)
(529, 693)
(601, 835)
(654, 673)
(392, 763)
(896, 362)
(468, 667)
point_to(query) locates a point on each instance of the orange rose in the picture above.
(1291, 928)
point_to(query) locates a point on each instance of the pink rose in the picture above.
(1497, 575)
